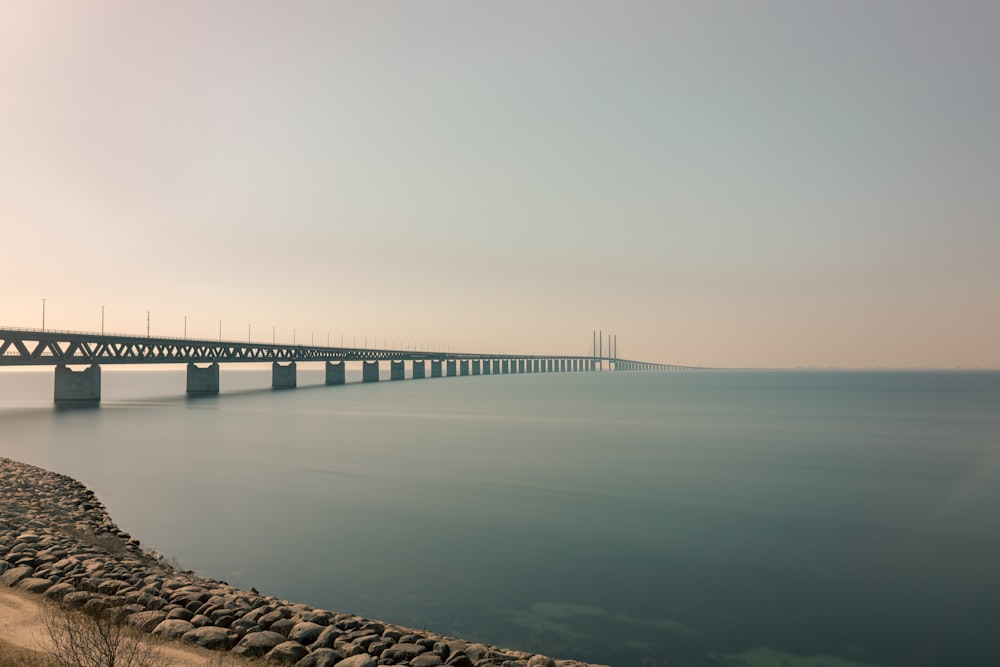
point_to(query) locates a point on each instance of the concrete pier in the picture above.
(77, 387)
(202, 381)
(487, 367)
(369, 371)
(283, 376)
(435, 368)
(463, 367)
(419, 370)
(451, 368)
(397, 370)
(335, 372)
(477, 367)
(506, 366)
(496, 367)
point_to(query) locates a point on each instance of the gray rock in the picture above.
(426, 660)
(258, 643)
(217, 639)
(460, 659)
(400, 652)
(322, 657)
(287, 653)
(327, 637)
(181, 613)
(357, 661)
(146, 620)
(16, 574)
(59, 590)
(541, 661)
(305, 633)
(34, 584)
(172, 628)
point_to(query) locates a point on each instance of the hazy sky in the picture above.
(717, 183)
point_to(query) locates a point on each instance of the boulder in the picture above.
(305, 632)
(211, 637)
(426, 660)
(172, 628)
(16, 574)
(146, 620)
(258, 643)
(401, 652)
(34, 584)
(322, 657)
(361, 660)
(287, 653)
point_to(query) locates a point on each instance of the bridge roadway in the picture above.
(61, 349)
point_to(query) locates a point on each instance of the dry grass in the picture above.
(15, 656)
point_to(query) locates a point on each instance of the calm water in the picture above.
(614, 518)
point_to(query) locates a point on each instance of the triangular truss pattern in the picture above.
(20, 347)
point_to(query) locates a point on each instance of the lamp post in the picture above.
(43, 314)
(185, 326)
(272, 336)
(102, 320)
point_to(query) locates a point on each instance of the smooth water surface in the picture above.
(618, 518)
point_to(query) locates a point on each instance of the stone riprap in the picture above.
(57, 540)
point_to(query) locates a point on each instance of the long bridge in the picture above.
(62, 349)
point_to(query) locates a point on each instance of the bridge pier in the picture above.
(487, 367)
(477, 367)
(435, 368)
(283, 377)
(463, 367)
(451, 368)
(81, 387)
(335, 372)
(202, 381)
(397, 370)
(369, 371)
(419, 369)
(505, 367)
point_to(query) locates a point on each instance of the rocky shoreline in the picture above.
(57, 540)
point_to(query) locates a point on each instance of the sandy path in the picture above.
(20, 624)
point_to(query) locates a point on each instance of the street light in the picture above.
(43, 314)
(102, 320)
(185, 326)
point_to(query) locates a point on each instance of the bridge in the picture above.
(63, 349)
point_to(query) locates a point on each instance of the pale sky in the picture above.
(735, 184)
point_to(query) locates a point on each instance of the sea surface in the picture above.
(633, 519)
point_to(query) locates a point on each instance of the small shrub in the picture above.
(96, 638)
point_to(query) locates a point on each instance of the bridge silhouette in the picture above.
(62, 349)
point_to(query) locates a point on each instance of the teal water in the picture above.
(615, 518)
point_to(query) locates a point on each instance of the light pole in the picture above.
(272, 336)
(220, 331)
(185, 326)
(43, 314)
(248, 333)
(102, 320)
(147, 324)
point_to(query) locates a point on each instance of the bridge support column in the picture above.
(435, 368)
(496, 367)
(369, 371)
(505, 368)
(283, 377)
(335, 372)
(202, 381)
(451, 366)
(463, 367)
(477, 367)
(77, 387)
(419, 370)
(520, 366)
(487, 367)
(397, 370)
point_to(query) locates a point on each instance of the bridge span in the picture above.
(63, 349)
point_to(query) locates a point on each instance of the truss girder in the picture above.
(19, 347)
